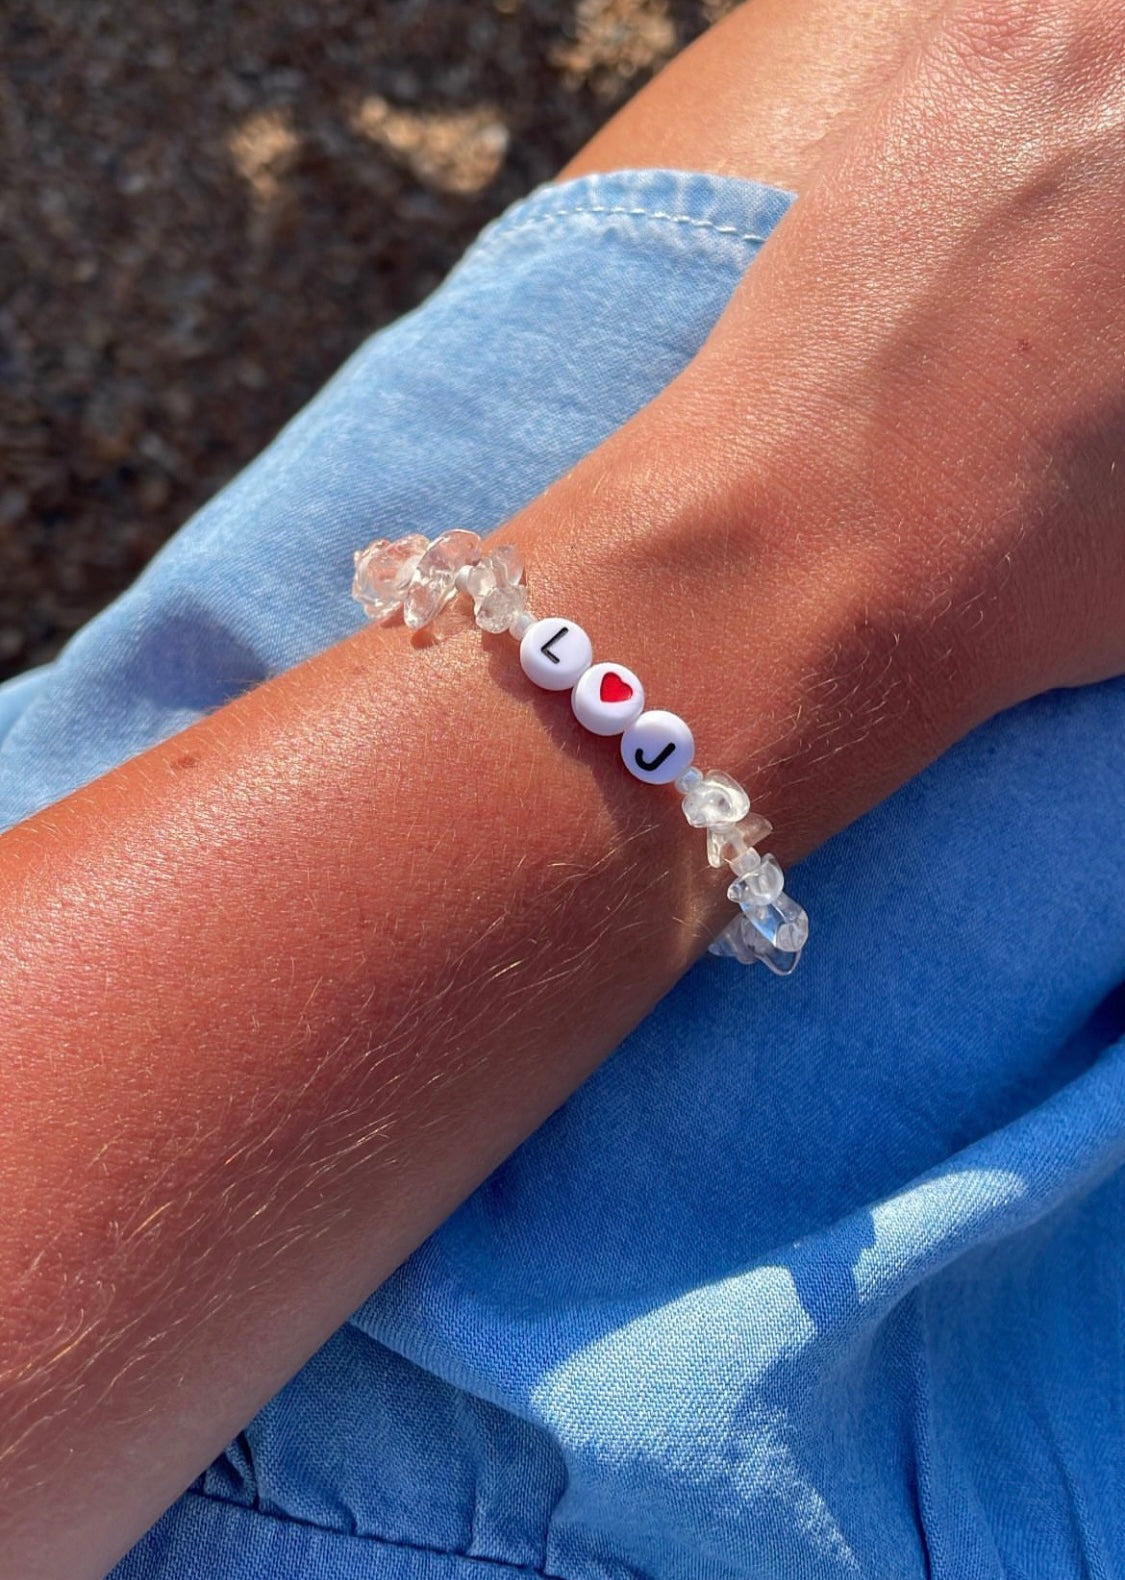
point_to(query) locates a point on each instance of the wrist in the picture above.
(720, 571)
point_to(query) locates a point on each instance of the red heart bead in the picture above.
(614, 689)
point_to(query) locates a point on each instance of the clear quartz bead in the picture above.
(433, 583)
(425, 596)
(521, 624)
(731, 944)
(775, 935)
(748, 861)
(759, 947)
(741, 940)
(780, 961)
(688, 780)
(726, 842)
(498, 608)
(449, 552)
(761, 886)
(477, 580)
(793, 934)
(783, 923)
(756, 827)
(382, 572)
(507, 564)
(717, 798)
(493, 585)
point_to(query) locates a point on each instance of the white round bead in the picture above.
(658, 747)
(554, 653)
(607, 698)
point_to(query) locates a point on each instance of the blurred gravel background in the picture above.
(204, 207)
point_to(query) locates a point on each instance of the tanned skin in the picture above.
(272, 1005)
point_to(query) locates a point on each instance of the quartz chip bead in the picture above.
(498, 608)
(731, 843)
(783, 923)
(433, 582)
(717, 798)
(501, 567)
(748, 861)
(761, 885)
(493, 585)
(742, 942)
(780, 961)
(476, 580)
(507, 561)
(729, 944)
(382, 574)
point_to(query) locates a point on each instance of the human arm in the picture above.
(672, 510)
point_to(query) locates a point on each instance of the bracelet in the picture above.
(420, 577)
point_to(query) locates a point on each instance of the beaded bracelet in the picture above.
(420, 577)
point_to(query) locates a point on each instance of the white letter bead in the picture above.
(658, 747)
(607, 698)
(554, 653)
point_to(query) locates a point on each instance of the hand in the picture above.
(953, 384)
(905, 439)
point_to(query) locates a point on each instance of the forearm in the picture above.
(280, 992)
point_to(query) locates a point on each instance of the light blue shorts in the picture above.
(815, 1278)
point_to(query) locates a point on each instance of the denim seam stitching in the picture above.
(631, 213)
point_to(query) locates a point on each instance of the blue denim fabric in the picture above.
(812, 1279)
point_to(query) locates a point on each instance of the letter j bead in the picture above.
(657, 747)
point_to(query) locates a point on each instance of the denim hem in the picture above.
(733, 210)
